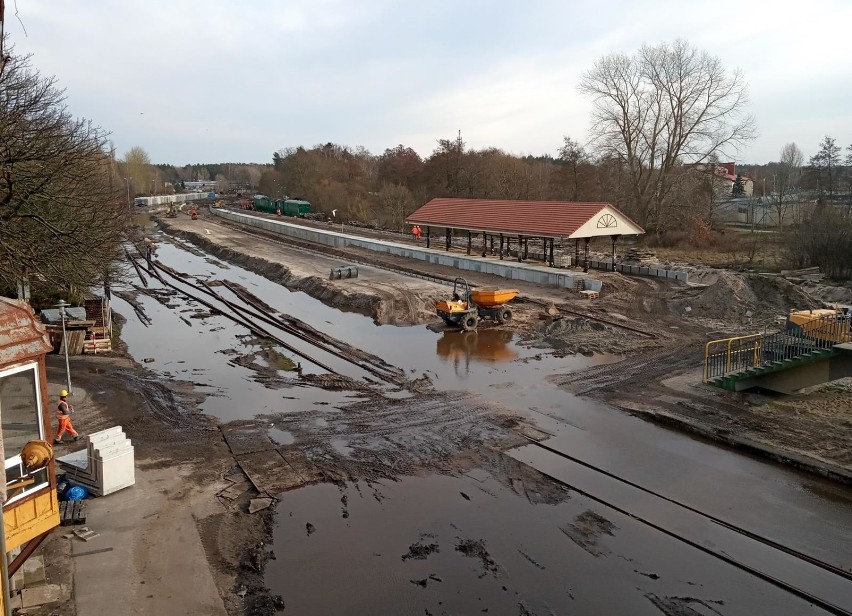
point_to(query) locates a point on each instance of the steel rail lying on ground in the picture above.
(589, 316)
(254, 328)
(374, 365)
(830, 607)
(301, 329)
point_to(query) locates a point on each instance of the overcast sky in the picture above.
(227, 81)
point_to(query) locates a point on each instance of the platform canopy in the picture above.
(552, 219)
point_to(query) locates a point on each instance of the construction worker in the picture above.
(63, 415)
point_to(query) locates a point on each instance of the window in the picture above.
(20, 412)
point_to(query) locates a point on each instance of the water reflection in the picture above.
(487, 345)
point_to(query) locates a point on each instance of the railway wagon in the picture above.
(263, 204)
(293, 207)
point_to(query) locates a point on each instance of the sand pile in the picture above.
(742, 299)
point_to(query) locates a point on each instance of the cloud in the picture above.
(223, 81)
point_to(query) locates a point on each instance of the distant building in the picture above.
(199, 185)
(725, 175)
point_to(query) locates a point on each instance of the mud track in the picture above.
(629, 373)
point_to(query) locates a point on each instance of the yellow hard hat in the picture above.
(63, 393)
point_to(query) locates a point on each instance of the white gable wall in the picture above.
(605, 223)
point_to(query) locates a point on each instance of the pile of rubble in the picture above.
(639, 255)
(811, 274)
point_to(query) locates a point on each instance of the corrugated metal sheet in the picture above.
(52, 315)
(22, 336)
(528, 218)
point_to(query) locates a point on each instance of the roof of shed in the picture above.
(22, 336)
(530, 218)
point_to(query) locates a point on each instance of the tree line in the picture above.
(663, 118)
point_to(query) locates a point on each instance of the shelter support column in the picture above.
(551, 262)
(520, 243)
(449, 237)
(526, 248)
(614, 240)
(492, 243)
(501, 246)
(576, 252)
(544, 249)
(469, 242)
(428, 235)
(586, 257)
(484, 242)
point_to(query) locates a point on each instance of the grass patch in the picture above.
(276, 359)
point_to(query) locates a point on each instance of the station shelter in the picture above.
(513, 222)
(30, 506)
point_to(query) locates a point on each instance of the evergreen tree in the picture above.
(738, 189)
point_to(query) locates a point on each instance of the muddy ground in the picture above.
(656, 325)
(659, 378)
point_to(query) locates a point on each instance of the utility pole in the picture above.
(2, 31)
(129, 205)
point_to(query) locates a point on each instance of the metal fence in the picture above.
(731, 355)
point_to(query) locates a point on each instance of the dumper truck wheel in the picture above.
(469, 323)
(504, 315)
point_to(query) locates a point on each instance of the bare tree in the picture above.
(140, 173)
(63, 209)
(660, 107)
(786, 180)
(849, 180)
(222, 183)
(397, 203)
(573, 156)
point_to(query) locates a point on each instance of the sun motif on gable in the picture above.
(607, 221)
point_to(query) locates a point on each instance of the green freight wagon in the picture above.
(295, 207)
(280, 205)
(263, 204)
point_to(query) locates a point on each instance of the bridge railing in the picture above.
(729, 355)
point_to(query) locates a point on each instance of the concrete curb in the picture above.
(803, 463)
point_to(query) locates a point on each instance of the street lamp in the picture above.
(62, 305)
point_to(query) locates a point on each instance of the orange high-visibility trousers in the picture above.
(65, 426)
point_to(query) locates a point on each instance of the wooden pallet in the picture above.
(589, 294)
(72, 512)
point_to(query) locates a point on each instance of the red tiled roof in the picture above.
(533, 218)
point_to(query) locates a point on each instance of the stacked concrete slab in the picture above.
(105, 466)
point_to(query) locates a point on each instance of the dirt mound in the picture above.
(568, 336)
(841, 295)
(741, 299)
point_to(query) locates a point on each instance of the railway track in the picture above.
(252, 316)
(707, 547)
(326, 251)
(436, 278)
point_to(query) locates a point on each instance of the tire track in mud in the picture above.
(382, 438)
(639, 369)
